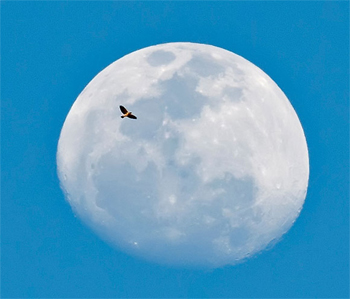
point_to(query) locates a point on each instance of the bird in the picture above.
(126, 113)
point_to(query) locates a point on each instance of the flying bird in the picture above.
(126, 113)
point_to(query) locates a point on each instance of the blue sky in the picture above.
(51, 50)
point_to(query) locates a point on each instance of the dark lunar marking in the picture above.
(171, 144)
(160, 57)
(204, 65)
(239, 236)
(150, 117)
(240, 191)
(182, 99)
(125, 191)
(234, 94)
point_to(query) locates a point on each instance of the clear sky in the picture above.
(51, 50)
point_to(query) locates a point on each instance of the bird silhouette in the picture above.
(126, 113)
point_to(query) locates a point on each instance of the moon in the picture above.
(214, 170)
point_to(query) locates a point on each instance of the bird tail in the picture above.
(122, 116)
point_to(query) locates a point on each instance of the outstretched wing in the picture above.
(123, 109)
(132, 116)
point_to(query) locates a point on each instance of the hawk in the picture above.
(126, 113)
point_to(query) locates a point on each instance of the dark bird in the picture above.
(126, 113)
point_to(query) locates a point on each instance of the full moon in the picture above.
(214, 169)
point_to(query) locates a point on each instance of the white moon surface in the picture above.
(214, 169)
